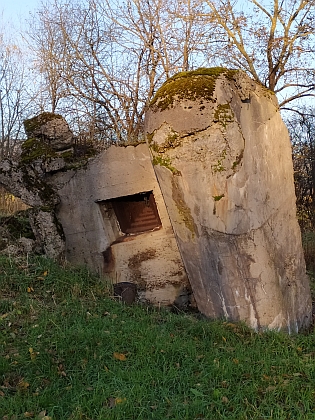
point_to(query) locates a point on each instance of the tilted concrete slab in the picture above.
(223, 160)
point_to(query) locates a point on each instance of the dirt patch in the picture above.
(135, 265)
(136, 260)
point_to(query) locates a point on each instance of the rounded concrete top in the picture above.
(190, 85)
(189, 101)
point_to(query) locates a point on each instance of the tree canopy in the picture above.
(100, 62)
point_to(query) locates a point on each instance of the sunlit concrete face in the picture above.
(224, 166)
(115, 221)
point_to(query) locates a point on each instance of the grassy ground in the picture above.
(68, 351)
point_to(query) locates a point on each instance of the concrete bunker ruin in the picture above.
(208, 203)
(115, 221)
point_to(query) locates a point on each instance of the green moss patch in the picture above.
(183, 209)
(219, 167)
(33, 149)
(165, 161)
(154, 146)
(34, 123)
(150, 137)
(218, 197)
(238, 160)
(192, 85)
(202, 71)
(172, 141)
(223, 114)
(34, 183)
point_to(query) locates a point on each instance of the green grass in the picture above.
(69, 351)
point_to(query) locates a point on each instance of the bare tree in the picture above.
(14, 98)
(302, 131)
(48, 49)
(107, 58)
(273, 41)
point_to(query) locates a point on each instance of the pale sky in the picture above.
(16, 11)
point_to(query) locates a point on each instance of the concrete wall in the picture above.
(93, 237)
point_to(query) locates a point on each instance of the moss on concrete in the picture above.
(154, 146)
(202, 71)
(149, 137)
(165, 161)
(172, 141)
(223, 115)
(238, 160)
(219, 167)
(33, 123)
(183, 209)
(33, 149)
(192, 85)
(33, 182)
(218, 197)
(67, 155)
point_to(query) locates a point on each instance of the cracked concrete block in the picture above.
(48, 233)
(51, 129)
(94, 235)
(222, 155)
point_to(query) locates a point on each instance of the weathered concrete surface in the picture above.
(48, 232)
(93, 237)
(223, 161)
(51, 129)
(26, 181)
(28, 178)
(73, 209)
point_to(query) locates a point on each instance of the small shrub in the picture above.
(17, 225)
